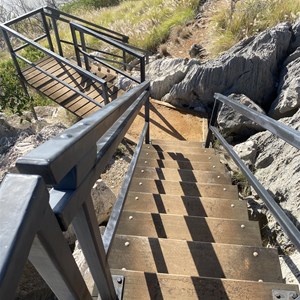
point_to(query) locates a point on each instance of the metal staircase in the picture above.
(71, 72)
(177, 230)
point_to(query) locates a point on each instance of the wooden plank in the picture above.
(45, 63)
(179, 148)
(184, 188)
(189, 206)
(189, 228)
(182, 175)
(180, 164)
(195, 258)
(203, 157)
(146, 286)
(179, 143)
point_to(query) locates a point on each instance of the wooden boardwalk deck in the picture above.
(63, 95)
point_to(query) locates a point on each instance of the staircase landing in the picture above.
(63, 95)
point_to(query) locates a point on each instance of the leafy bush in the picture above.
(12, 95)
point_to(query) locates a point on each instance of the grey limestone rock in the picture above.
(231, 122)
(250, 68)
(278, 169)
(165, 73)
(288, 99)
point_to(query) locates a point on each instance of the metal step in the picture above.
(182, 175)
(187, 206)
(183, 188)
(212, 230)
(146, 286)
(195, 258)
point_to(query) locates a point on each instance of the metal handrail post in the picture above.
(83, 46)
(143, 67)
(147, 120)
(57, 38)
(47, 31)
(87, 232)
(76, 46)
(212, 122)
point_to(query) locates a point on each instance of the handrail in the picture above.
(282, 131)
(29, 229)
(124, 47)
(71, 163)
(108, 32)
(57, 57)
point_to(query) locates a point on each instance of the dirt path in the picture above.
(170, 123)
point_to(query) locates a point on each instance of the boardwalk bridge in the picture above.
(177, 230)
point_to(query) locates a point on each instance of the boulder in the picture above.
(233, 123)
(103, 200)
(288, 99)
(164, 73)
(277, 168)
(249, 68)
(247, 152)
(196, 51)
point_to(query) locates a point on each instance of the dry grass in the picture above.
(146, 22)
(248, 17)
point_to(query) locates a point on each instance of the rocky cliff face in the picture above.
(262, 72)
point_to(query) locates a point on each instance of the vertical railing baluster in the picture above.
(83, 46)
(76, 46)
(143, 71)
(88, 234)
(47, 31)
(57, 38)
(147, 120)
(212, 122)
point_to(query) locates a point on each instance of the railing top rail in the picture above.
(57, 13)
(67, 149)
(54, 55)
(114, 43)
(24, 16)
(279, 129)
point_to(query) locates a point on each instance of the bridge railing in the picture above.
(110, 60)
(69, 165)
(280, 130)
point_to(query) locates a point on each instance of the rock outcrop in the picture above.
(250, 68)
(277, 168)
(233, 123)
(164, 73)
(288, 99)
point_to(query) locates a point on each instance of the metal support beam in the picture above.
(87, 232)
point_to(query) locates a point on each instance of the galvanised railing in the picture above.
(280, 130)
(32, 219)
